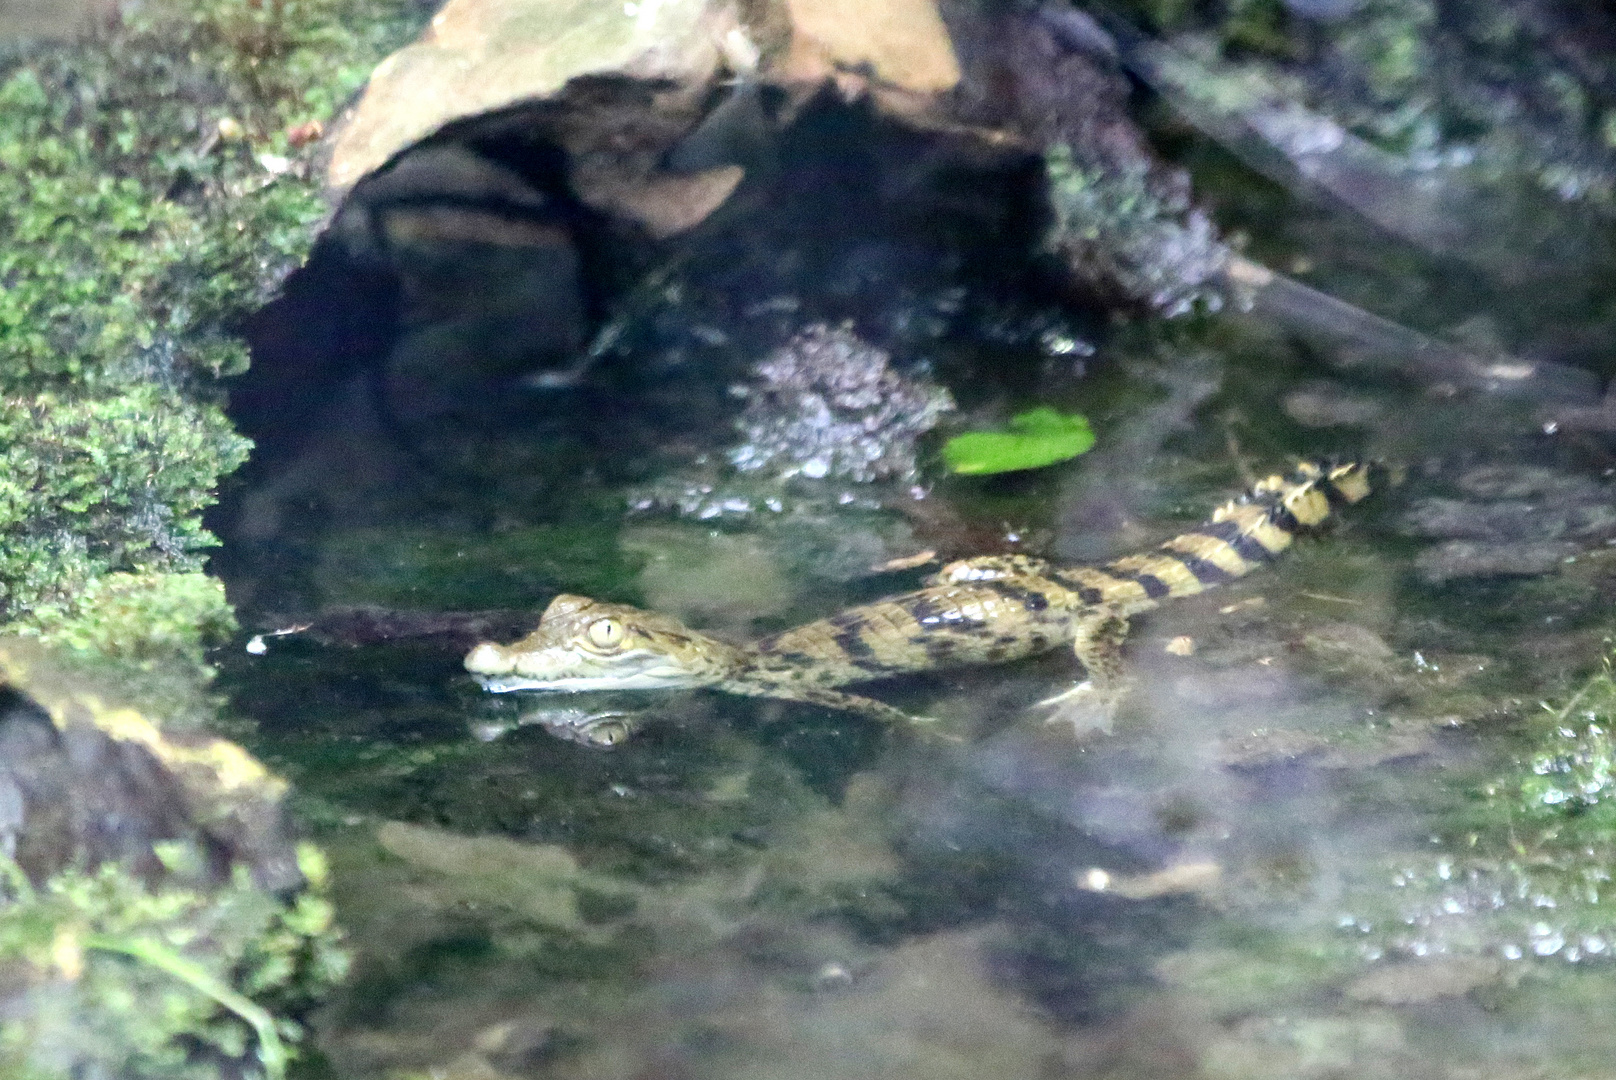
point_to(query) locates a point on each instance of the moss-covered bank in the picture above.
(155, 185)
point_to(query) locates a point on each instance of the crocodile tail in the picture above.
(1240, 536)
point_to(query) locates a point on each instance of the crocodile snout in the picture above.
(488, 659)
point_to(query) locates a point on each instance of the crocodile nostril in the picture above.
(486, 659)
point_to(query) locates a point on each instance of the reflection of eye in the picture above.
(609, 733)
(606, 633)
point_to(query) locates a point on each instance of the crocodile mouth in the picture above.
(567, 684)
(567, 671)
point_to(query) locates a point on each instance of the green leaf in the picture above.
(1036, 438)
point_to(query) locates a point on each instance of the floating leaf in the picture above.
(1036, 438)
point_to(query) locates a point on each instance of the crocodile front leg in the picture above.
(1091, 705)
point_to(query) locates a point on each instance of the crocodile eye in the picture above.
(605, 633)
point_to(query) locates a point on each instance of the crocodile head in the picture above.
(582, 644)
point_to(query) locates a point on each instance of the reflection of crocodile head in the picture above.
(582, 644)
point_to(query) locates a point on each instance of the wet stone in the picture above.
(79, 796)
(1470, 559)
(1528, 481)
(829, 404)
(1518, 521)
(1508, 520)
(1351, 650)
(1426, 980)
(1326, 404)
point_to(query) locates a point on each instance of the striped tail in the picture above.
(1240, 536)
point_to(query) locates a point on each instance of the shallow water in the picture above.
(1303, 852)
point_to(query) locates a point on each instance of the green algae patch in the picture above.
(1559, 808)
(1521, 864)
(542, 884)
(1037, 437)
(1241, 981)
(155, 183)
(185, 942)
(156, 973)
(519, 567)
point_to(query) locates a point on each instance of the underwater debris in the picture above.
(1365, 340)
(1036, 438)
(829, 404)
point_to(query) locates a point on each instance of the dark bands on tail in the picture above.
(1240, 536)
(1230, 533)
(1207, 572)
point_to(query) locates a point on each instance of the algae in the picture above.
(1520, 864)
(154, 186)
(1504, 92)
(1115, 225)
(135, 981)
(156, 183)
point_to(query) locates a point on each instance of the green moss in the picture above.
(146, 618)
(1571, 779)
(1115, 229)
(1260, 26)
(97, 482)
(151, 194)
(155, 184)
(1162, 15)
(126, 980)
(1521, 865)
(1390, 42)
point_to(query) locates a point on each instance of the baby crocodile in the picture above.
(983, 610)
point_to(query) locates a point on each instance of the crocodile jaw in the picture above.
(502, 684)
(501, 670)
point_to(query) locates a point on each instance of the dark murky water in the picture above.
(1293, 857)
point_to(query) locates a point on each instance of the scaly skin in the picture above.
(984, 610)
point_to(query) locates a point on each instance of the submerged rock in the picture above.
(1412, 983)
(1509, 520)
(1328, 404)
(1519, 521)
(1470, 559)
(829, 404)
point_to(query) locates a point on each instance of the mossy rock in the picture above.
(149, 892)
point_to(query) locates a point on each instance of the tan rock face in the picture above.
(903, 42)
(665, 205)
(481, 55)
